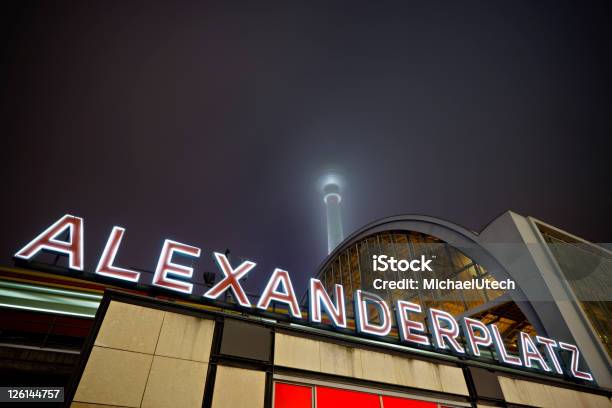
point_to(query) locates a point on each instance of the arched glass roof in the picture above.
(353, 267)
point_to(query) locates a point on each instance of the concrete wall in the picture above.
(147, 358)
(546, 396)
(324, 357)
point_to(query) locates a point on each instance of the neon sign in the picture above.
(444, 332)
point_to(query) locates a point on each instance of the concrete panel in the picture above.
(452, 379)
(546, 396)
(377, 366)
(524, 392)
(296, 352)
(319, 356)
(114, 377)
(129, 327)
(564, 398)
(417, 373)
(429, 376)
(175, 383)
(238, 387)
(336, 359)
(592, 400)
(186, 337)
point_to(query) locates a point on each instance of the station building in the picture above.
(563, 281)
(111, 344)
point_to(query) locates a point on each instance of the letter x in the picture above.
(230, 281)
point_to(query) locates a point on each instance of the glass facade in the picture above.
(353, 268)
(509, 319)
(588, 271)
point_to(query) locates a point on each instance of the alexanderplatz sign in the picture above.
(443, 332)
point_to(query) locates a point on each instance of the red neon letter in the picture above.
(406, 325)
(440, 333)
(500, 348)
(583, 375)
(166, 267)
(529, 351)
(318, 297)
(550, 349)
(230, 281)
(474, 341)
(363, 323)
(287, 296)
(105, 266)
(47, 240)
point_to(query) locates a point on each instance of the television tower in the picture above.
(332, 198)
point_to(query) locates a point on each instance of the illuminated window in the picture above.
(309, 396)
(292, 396)
(395, 402)
(334, 398)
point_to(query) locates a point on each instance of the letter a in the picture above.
(48, 241)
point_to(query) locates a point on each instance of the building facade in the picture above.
(131, 345)
(144, 352)
(562, 281)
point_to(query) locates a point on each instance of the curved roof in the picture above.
(465, 240)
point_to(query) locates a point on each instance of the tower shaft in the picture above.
(335, 233)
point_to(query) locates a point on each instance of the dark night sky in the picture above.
(210, 123)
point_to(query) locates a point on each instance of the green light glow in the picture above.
(24, 296)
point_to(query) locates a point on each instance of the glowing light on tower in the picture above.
(332, 199)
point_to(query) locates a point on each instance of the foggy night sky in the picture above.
(211, 122)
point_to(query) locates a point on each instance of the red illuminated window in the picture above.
(292, 396)
(336, 398)
(394, 402)
(300, 396)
